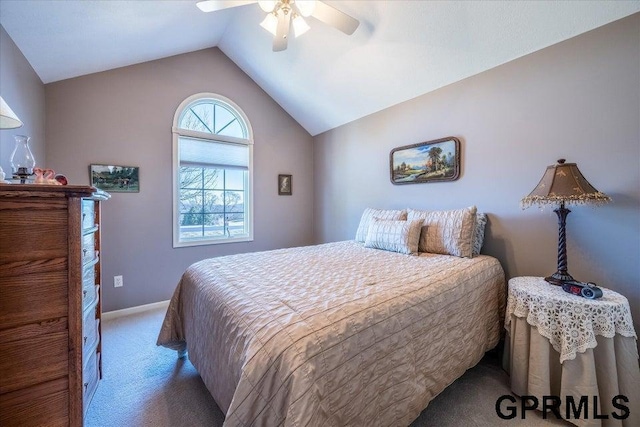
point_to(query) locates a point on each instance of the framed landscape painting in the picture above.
(114, 179)
(431, 161)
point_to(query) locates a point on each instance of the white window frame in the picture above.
(177, 133)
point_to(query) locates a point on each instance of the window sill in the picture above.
(204, 242)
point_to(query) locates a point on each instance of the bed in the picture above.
(337, 334)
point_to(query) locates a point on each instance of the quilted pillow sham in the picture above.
(478, 237)
(369, 214)
(396, 236)
(446, 232)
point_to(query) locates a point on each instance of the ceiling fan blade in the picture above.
(332, 16)
(282, 31)
(214, 5)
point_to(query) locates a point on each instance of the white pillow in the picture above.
(396, 236)
(447, 232)
(369, 214)
(478, 236)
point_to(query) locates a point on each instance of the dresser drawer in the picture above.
(44, 404)
(90, 376)
(89, 275)
(89, 295)
(90, 335)
(88, 214)
(22, 364)
(88, 247)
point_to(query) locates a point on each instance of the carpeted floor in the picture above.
(146, 385)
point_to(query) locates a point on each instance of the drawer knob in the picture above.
(84, 252)
(85, 339)
(84, 294)
(85, 386)
(83, 216)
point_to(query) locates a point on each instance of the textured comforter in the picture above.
(334, 334)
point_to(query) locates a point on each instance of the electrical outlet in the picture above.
(117, 281)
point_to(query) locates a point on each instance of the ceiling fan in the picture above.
(284, 14)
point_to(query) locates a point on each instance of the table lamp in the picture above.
(563, 183)
(8, 119)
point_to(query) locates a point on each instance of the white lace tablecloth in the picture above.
(569, 322)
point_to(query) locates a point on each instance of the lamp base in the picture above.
(559, 278)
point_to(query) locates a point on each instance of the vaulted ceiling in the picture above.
(401, 50)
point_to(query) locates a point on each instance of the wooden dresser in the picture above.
(50, 304)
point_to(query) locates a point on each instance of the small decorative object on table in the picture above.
(46, 176)
(61, 179)
(22, 160)
(2, 175)
(563, 183)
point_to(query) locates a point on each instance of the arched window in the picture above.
(212, 172)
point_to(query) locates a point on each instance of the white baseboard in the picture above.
(134, 310)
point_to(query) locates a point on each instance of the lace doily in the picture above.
(570, 322)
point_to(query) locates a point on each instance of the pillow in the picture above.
(478, 237)
(447, 232)
(369, 214)
(396, 236)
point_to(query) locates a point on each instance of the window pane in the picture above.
(192, 121)
(188, 232)
(191, 201)
(213, 179)
(234, 179)
(213, 201)
(227, 123)
(203, 113)
(232, 129)
(192, 224)
(234, 201)
(190, 177)
(214, 225)
(236, 225)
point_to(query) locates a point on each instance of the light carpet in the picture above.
(146, 385)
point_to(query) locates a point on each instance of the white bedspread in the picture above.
(334, 334)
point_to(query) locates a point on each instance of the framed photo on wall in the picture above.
(114, 179)
(284, 185)
(431, 161)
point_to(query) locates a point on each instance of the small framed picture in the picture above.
(284, 185)
(114, 179)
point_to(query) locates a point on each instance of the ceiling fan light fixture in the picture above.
(267, 5)
(206, 6)
(270, 23)
(306, 7)
(300, 26)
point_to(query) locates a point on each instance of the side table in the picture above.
(575, 350)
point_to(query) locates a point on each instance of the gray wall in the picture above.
(23, 90)
(578, 100)
(124, 116)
